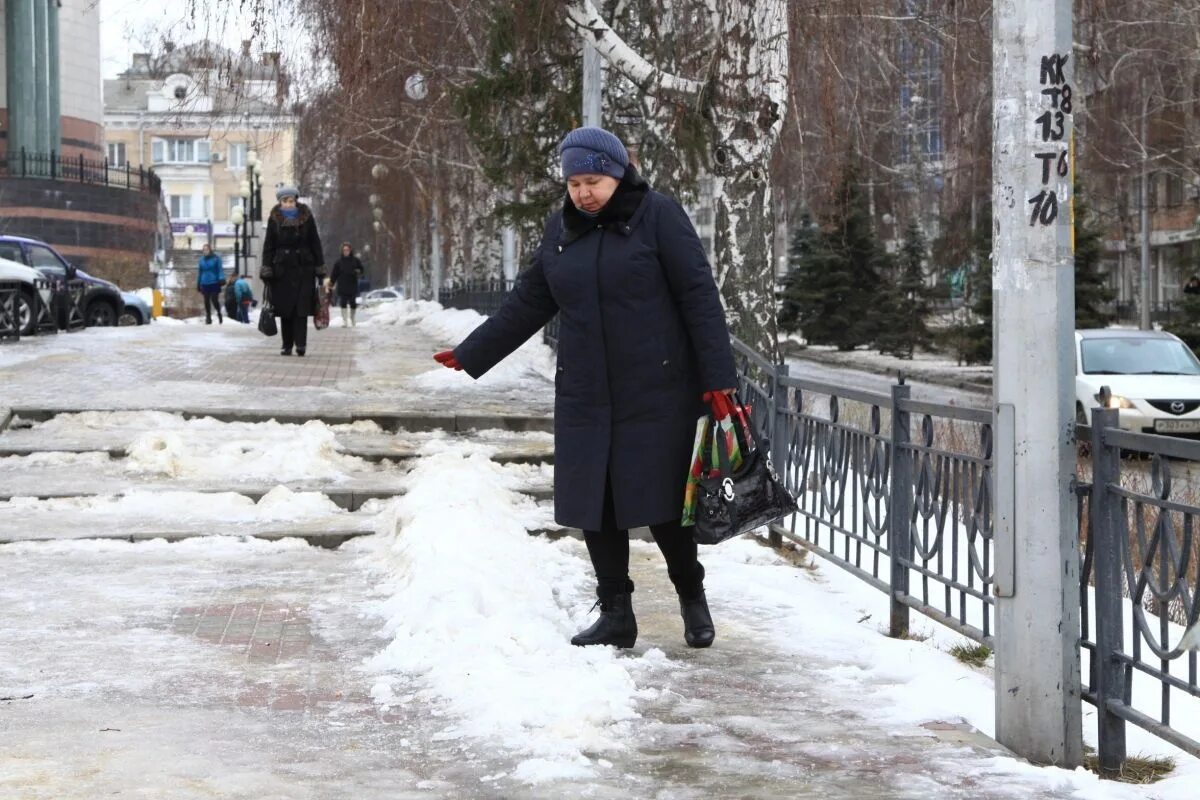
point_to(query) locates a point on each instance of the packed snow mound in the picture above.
(479, 620)
(281, 503)
(287, 452)
(531, 364)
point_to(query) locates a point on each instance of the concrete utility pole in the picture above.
(1038, 713)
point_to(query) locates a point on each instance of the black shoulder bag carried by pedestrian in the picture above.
(735, 502)
(266, 315)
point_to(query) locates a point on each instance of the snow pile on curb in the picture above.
(476, 615)
(281, 503)
(452, 325)
(287, 452)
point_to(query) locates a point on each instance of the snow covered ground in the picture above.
(433, 657)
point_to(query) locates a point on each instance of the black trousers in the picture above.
(294, 331)
(609, 551)
(212, 302)
(348, 300)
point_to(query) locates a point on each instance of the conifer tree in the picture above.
(907, 304)
(1091, 288)
(832, 290)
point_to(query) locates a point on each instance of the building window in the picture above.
(181, 151)
(116, 154)
(237, 155)
(1174, 190)
(181, 206)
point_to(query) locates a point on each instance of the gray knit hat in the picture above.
(287, 191)
(593, 150)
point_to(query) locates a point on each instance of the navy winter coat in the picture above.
(642, 336)
(292, 252)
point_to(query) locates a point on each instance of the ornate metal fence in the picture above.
(895, 491)
(1142, 557)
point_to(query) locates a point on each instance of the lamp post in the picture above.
(251, 191)
(239, 218)
(244, 192)
(189, 232)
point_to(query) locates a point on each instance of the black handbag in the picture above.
(733, 503)
(266, 315)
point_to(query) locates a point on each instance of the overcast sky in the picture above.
(130, 26)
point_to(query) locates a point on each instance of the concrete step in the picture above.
(457, 423)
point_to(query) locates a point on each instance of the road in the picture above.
(874, 382)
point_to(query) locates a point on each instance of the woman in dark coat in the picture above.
(292, 265)
(642, 343)
(344, 275)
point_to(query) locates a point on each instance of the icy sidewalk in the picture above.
(383, 366)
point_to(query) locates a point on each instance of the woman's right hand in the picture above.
(446, 359)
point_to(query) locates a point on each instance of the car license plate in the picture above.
(1177, 426)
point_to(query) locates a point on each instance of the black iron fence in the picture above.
(1142, 559)
(77, 169)
(900, 493)
(44, 307)
(10, 310)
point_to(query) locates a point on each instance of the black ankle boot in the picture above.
(616, 626)
(698, 630)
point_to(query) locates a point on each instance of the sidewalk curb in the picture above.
(915, 371)
(389, 422)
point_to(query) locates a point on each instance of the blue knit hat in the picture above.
(593, 150)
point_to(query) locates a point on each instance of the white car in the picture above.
(31, 281)
(1153, 376)
(377, 296)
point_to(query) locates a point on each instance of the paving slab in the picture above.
(233, 371)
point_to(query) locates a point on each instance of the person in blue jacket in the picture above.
(210, 277)
(642, 345)
(245, 298)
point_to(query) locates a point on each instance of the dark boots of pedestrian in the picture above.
(698, 629)
(617, 625)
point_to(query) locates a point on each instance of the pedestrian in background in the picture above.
(1192, 286)
(344, 276)
(642, 345)
(210, 277)
(244, 296)
(292, 266)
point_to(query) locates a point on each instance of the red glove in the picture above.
(721, 402)
(446, 359)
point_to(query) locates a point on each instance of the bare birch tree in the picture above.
(743, 97)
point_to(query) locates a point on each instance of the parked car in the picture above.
(137, 311)
(102, 303)
(29, 279)
(378, 296)
(1153, 376)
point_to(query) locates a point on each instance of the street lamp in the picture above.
(239, 218)
(189, 231)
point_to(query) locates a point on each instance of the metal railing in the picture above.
(77, 169)
(63, 312)
(10, 309)
(1142, 558)
(899, 493)
(895, 491)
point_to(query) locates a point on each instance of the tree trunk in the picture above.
(744, 98)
